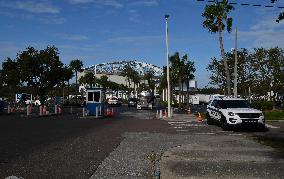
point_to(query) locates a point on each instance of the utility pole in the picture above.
(236, 63)
(168, 69)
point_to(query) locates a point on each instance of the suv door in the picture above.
(214, 111)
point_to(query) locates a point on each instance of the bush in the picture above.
(263, 105)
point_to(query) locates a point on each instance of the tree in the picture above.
(103, 81)
(65, 77)
(260, 70)
(40, 70)
(189, 70)
(76, 65)
(136, 79)
(88, 79)
(10, 78)
(149, 75)
(216, 19)
(128, 73)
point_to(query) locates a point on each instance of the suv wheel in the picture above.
(209, 119)
(224, 124)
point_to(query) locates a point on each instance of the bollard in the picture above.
(97, 112)
(84, 112)
(9, 110)
(31, 109)
(112, 112)
(59, 110)
(55, 109)
(44, 111)
(40, 110)
(71, 110)
(28, 110)
(161, 114)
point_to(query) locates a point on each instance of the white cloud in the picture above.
(52, 20)
(37, 7)
(145, 3)
(113, 3)
(265, 33)
(73, 37)
(136, 39)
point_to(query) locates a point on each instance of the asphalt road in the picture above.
(68, 146)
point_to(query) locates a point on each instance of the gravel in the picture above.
(131, 158)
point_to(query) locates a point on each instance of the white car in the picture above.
(233, 112)
(113, 101)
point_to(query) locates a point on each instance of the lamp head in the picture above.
(167, 16)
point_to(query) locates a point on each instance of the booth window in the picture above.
(94, 96)
(90, 96)
(97, 96)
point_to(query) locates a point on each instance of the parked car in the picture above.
(114, 101)
(233, 112)
(132, 102)
(1, 106)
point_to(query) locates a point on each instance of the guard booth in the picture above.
(95, 99)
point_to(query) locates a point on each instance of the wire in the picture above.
(248, 4)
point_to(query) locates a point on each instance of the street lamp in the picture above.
(168, 68)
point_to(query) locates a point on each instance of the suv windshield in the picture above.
(233, 104)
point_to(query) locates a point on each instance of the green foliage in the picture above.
(263, 105)
(216, 16)
(216, 19)
(261, 70)
(274, 115)
(88, 79)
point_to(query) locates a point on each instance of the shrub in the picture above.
(263, 105)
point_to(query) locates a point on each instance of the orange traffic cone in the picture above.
(199, 117)
(166, 114)
(59, 110)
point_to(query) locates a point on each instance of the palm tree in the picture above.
(128, 73)
(76, 65)
(66, 76)
(89, 79)
(216, 19)
(103, 81)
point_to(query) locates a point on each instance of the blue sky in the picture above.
(97, 31)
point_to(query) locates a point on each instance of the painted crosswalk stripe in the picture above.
(271, 126)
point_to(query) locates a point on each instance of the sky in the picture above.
(97, 31)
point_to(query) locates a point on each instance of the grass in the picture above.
(274, 143)
(274, 115)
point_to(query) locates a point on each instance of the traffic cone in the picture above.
(31, 109)
(199, 117)
(44, 110)
(59, 110)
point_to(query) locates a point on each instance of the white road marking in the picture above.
(271, 126)
(205, 133)
(182, 130)
(178, 122)
(178, 127)
(236, 134)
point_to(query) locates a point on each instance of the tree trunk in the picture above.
(179, 94)
(76, 91)
(68, 91)
(228, 79)
(187, 94)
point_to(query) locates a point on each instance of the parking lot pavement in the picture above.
(221, 157)
(214, 153)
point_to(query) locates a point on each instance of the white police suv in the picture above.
(230, 112)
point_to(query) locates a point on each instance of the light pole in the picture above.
(168, 69)
(236, 66)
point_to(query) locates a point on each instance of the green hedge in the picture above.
(263, 105)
